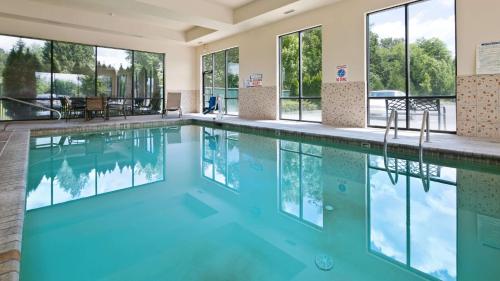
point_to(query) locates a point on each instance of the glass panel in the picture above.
(233, 72)
(290, 182)
(311, 110)
(148, 79)
(289, 109)
(442, 113)
(232, 106)
(24, 74)
(289, 45)
(111, 64)
(208, 77)
(74, 70)
(387, 74)
(311, 63)
(220, 74)
(380, 110)
(432, 48)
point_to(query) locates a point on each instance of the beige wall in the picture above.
(343, 26)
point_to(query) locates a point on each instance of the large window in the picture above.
(220, 72)
(411, 64)
(148, 77)
(301, 75)
(42, 72)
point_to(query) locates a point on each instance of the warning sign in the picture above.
(342, 73)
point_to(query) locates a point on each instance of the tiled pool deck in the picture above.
(14, 148)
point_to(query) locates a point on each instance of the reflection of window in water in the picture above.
(68, 168)
(221, 155)
(301, 183)
(409, 226)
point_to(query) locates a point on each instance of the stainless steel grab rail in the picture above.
(425, 127)
(393, 117)
(35, 105)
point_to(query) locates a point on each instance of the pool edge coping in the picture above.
(14, 163)
(433, 152)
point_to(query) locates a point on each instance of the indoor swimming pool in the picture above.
(202, 203)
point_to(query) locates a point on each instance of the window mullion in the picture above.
(300, 75)
(407, 67)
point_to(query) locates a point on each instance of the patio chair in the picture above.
(75, 105)
(95, 104)
(212, 105)
(119, 106)
(173, 104)
(65, 103)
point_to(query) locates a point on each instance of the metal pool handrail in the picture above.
(393, 180)
(425, 127)
(392, 118)
(35, 105)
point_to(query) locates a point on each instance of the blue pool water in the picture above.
(198, 203)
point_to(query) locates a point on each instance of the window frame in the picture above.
(300, 97)
(51, 115)
(407, 96)
(226, 79)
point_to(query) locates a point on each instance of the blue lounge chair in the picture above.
(212, 105)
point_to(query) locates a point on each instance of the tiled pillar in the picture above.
(344, 104)
(478, 106)
(258, 103)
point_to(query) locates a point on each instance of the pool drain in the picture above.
(324, 262)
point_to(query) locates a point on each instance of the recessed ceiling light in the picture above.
(289, 12)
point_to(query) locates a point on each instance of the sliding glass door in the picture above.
(301, 75)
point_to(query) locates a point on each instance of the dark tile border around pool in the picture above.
(14, 164)
(395, 149)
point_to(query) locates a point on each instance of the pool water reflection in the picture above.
(199, 203)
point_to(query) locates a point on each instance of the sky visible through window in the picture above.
(427, 19)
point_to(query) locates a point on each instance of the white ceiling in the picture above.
(189, 22)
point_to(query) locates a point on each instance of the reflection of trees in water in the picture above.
(295, 176)
(69, 182)
(290, 177)
(312, 180)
